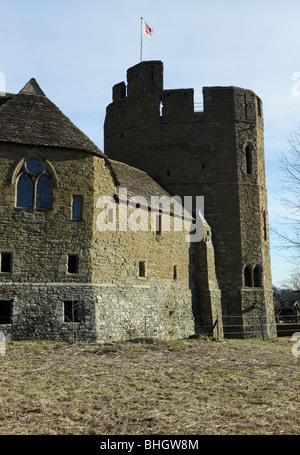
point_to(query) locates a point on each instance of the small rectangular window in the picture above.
(6, 262)
(73, 263)
(142, 269)
(5, 311)
(77, 207)
(70, 311)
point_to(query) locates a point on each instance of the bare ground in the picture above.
(186, 387)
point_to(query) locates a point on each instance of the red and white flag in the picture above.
(147, 30)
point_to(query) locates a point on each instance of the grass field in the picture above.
(186, 387)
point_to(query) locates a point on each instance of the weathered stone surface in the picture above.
(204, 154)
(113, 301)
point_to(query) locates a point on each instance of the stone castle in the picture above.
(65, 275)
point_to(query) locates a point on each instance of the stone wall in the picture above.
(159, 304)
(144, 310)
(106, 312)
(37, 311)
(112, 300)
(201, 154)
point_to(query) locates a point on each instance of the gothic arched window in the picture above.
(247, 276)
(34, 185)
(257, 276)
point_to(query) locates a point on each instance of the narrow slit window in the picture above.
(249, 159)
(245, 105)
(71, 311)
(158, 224)
(6, 262)
(142, 269)
(265, 232)
(152, 74)
(73, 262)
(76, 207)
(175, 272)
(5, 311)
(110, 216)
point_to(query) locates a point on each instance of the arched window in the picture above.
(257, 276)
(247, 276)
(249, 159)
(34, 185)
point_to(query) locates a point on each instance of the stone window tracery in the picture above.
(34, 185)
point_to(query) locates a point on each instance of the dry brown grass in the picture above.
(186, 387)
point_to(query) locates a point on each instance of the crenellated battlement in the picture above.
(145, 83)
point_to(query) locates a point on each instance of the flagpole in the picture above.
(141, 39)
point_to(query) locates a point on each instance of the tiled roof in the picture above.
(138, 183)
(31, 118)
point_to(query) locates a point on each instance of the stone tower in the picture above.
(217, 153)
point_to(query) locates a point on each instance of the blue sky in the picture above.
(78, 49)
